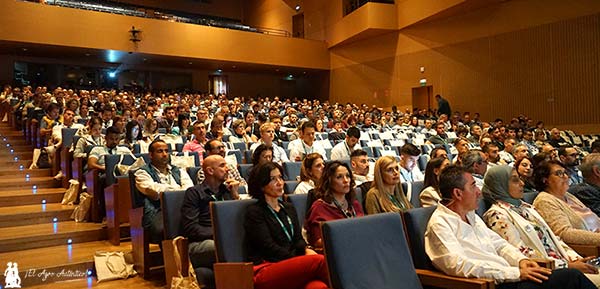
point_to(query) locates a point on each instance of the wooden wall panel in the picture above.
(576, 70)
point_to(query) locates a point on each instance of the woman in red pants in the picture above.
(273, 237)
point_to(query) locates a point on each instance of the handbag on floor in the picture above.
(112, 266)
(71, 194)
(179, 281)
(81, 212)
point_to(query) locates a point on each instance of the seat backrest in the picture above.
(228, 229)
(245, 170)
(137, 199)
(193, 173)
(416, 221)
(241, 146)
(289, 187)
(179, 146)
(110, 163)
(171, 202)
(299, 203)
(291, 170)
(529, 197)
(415, 191)
(67, 136)
(423, 159)
(237, 153)
(386, 264)
(482, 206)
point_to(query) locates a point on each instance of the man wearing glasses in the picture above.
(216, 147)
(569, 156)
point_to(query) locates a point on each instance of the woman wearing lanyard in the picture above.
(335, 200)
(273, 237)
(386, 193)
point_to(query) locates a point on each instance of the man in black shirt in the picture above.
(195, 212)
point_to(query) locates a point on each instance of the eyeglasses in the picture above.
(560, 173)
(392, 170)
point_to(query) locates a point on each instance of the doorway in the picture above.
(421, 97)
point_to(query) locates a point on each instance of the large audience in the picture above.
(542, 186)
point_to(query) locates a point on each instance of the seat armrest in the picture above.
(586, 250)
(546, 263)
(441, 280)
(234, 275)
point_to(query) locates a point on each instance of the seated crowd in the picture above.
(350, 161)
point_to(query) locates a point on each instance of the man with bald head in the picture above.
(195, 213)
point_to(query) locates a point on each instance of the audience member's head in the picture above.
(433, 171)
(262, 154)
(266, 179)
(214, 147)
(159, 153)
(590, 168)
(312, 168)
(337, 179)
(551, 176)
(360, 162)
(409, 156)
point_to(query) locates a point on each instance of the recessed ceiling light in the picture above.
(24, 49)
(190, 63)
(298, 7)
(87, 54)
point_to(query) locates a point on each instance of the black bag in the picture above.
(43, 162)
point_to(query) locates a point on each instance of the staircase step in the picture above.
(77, 258)
(34, 214)
(40, 182)
(26, 197)
(8, 171)
(50, 234)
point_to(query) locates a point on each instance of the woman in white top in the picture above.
(430, 196)
(310, 173)
(90, 136)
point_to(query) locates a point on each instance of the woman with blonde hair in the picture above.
(386, 194)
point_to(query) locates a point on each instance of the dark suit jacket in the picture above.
(266, 239)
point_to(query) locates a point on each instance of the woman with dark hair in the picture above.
(568, 217)
(133, 134)
(310, 173)
(524, 168)
(183, 125)
(90, 136)
(335, 200)
(273, 237)
(430, 196)
(262, 154)
(519, 224)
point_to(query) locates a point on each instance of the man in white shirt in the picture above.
(409, 171)
(459, 243)
(154, 179)
(343, 150)
(306, 144)
(96, 156)
(360, 169)
(267, 135)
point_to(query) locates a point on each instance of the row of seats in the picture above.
(404, 232)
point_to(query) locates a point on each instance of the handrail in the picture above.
(158, 14)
